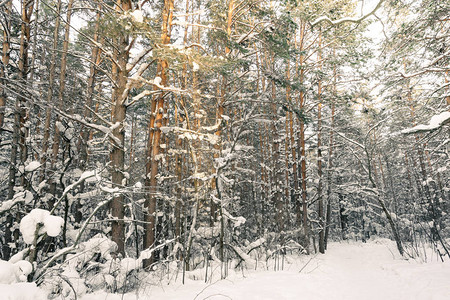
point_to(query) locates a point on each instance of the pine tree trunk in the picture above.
(62, 85)
(95, 61)
(21, 111)
(330, 154)
(319, 153)
(277, 198)
(287, 188)
(48, 112)
(330, 166)
(119, 96)
(8, 237)
(302, 143)
(154, 139)
(6, 44)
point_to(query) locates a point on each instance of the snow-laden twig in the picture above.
(347, 19)
(138, 79)
(18, 198)
(146, 254)
(246, 35)
(136, 59)
(106, 130)
(348, 139)
(83, 177)
(436, 122)
(429, 68)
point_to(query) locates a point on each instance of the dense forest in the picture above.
(166, 136)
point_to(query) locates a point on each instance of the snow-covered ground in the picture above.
(346, 271)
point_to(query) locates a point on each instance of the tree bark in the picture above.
(302, 142)
(95, 61)
(6, 44)
(277, 198)
(51, 80)
(119, 96)
(319, 152)
(287, 188)
(330, 160)
(21, 112)
(154, 139)
(62, 85)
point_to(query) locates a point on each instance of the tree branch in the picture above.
(347, 19)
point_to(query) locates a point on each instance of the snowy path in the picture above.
(347, 271)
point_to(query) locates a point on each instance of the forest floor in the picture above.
(348, 271)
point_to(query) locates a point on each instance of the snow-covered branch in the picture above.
(428, 68)
(348, 139)
(436, 122)
(347, 19)
(86, 175)
(106, 130)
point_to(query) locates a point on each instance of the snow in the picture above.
(137, 16)
(212, 128)
(24, 196)
(51, 224)
(346, 271)
(435, 122)
(32, 166)
(195, 66)
(14, 272)
(21, 291)
(97, 244)
(157, 80)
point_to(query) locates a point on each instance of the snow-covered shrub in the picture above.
(93, 266)
(40, 217)
(86, 268)
(14, 272)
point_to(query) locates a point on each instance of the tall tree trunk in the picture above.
(287, 187)
(221, 102)
(277, 198)
(296, 191)
(319, 152)
(330, 164)
(51, 80)
(119, 97)
(6, 45)
(448, 88)
(154, 139)
(21, 112)
(302, 141)
(179, 157)
(62, 85)
(95, 61)
(8, 238)
(343, 217)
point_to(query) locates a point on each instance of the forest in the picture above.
(151, 138)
